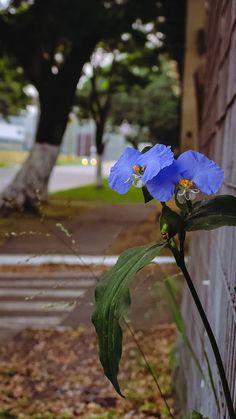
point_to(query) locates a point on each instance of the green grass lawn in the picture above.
(106, 194)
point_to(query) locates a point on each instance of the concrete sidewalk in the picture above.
(94, 232)
(62, 177)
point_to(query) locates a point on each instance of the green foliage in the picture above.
(154, 108)
(106, 194)
(93, 98)
(170, 222)
(213, 213)
(12, 81)
(112, 299)
(112, 293)
(128, 70)
(52, 42)
(56, 28)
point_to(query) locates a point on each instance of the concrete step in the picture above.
(40, 300)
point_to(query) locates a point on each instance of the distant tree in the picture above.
(95, 96)
(52, 40)
(160, 104)
(154, 110)
(12, 81)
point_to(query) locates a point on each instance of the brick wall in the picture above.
(213, 254)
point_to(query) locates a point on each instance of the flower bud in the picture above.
(170, 223)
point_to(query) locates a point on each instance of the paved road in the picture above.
(41, 300)
(63, 177)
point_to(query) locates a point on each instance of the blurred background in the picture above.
(80, 81)
(89, 87)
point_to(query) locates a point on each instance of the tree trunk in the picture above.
(56, 95)
(100, 145)
(99, 176)
(29, 187)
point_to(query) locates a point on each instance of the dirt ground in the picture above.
(55, 374)
(103, 229)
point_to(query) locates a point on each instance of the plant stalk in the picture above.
(179, 257)
(149, 368)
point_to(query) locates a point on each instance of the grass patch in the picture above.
(9, 157)
(106, 194)
(68, 159)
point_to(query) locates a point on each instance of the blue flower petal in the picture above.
(154, 160)
(120, 178)
(205, 173)
(162, 186)
(188, 164)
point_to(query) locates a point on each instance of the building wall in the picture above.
(213, 254)
(193, 61)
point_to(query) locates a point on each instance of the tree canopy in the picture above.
(121, 74)
(153, 110)
(45, 35)
(53, 39)
(12, 95)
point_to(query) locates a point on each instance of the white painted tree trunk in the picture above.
(99, 177)
(29, 186)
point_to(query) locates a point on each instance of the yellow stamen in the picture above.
(138, 169)
(185, 183)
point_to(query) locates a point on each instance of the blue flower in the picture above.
(162, 186)
(120, 178)
(136, 168)
(205, 173)
(190, 173)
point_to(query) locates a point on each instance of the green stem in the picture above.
(179, 257)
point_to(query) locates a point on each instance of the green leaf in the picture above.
(112, 299)
(171, 222)
(213, 213)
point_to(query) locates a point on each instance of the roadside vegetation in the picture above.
(105, 195)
